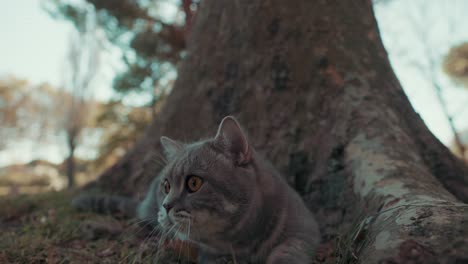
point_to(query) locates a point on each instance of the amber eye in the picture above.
(166, 186)
(194, 183)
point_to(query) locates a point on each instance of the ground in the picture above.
(44, 228)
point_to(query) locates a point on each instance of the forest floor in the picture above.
(44, 228)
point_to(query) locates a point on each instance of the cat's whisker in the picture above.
(142, 220)
(233, 254)
(166, 234)
(188, 240)
(138, 255)
(159, 231)
(174, 235)
(158, 247)
(137, 224)
(154, 231)
(138, 229)
(151, 235)
(180, 247)
(163, 238)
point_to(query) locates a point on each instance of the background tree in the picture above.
(41, 116)
(83, 66)
(151, 42)
(26, 111)
(456, 64)
(121, 125)
(12, 97)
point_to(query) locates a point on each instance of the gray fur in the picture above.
(106, 204)
(244, 208)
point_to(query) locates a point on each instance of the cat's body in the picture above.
(221, 195)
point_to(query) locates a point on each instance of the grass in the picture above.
(44, 228)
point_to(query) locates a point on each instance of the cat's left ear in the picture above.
(170, 147)
(231, 138)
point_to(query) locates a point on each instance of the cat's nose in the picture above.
(167, 206)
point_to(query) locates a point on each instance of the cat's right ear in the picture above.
(170, 147)
(231, 138)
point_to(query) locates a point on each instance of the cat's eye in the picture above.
(194, 183)
(166, 186)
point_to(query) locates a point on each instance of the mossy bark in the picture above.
(311, 83)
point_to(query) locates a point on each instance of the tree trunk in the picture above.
(311, 83)
(70, 164)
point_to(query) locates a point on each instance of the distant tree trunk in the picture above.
(70, 163)
(311, 83)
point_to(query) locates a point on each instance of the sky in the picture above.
(401, 24)
(33, 46)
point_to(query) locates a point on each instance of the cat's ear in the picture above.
(170, 147)
(231, 138)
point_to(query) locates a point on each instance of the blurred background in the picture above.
(81, 79)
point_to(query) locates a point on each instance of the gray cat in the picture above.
(222, 196)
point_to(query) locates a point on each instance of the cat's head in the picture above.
(206, 185)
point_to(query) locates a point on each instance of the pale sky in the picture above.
(396, 23)
(33, 46)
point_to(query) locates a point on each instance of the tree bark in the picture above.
(311, 83)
